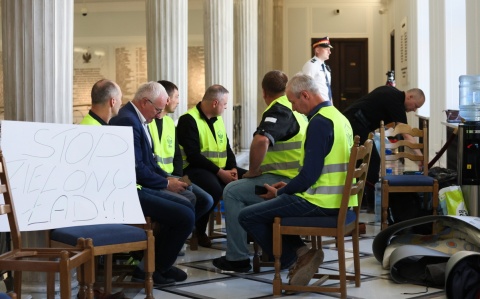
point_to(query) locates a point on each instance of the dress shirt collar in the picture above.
(319, 60)
(140, 115)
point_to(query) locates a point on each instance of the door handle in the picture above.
(343, 99)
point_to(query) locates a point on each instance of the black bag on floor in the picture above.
(405, 206)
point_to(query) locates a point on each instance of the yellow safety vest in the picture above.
(89, 120)
(214, 149)
(282, 158)
(164, 148)
(327, 191)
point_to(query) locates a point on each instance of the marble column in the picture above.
(270, 41)
(277, 50)
(265, 47)
(247, 85)
(218, 41)
(167, 45)
(37, 45)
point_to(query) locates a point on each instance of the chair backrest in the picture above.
(402, 148)
(8, 208)
(356, 176)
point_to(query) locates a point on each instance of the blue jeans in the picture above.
(236, 196)
(204, 201)
(257, 220)
(201, 200)
(176, 217)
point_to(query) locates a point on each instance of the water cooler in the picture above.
(469, 164)
(469, 141)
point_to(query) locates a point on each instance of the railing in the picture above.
(237, 128)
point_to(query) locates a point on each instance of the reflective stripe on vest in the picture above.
(164, 147)
(328, 189)
(282, 158)
(213, 148)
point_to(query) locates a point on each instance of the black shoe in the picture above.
(232, 266)
(175, 274)
(158, 279)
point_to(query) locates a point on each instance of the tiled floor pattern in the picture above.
(205, 281)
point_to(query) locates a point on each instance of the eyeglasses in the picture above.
(158, 110)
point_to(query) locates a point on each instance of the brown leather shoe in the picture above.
(204, 240)
(362, 228)
(306, 266)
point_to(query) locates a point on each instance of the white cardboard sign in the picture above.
(70, 175)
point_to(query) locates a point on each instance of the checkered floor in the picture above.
(205, 281)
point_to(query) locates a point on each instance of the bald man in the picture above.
(385, 103)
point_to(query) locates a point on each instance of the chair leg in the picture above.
(342, 269)
(85, 277)
(356, 258)
(65, 276)
(256, 258)
(384, 216)
(435, 198)
(277, 253)
(81, 282)
(149, 256)
(193, 242)
(218, 215)
(88, 270)
(211, 224)
(17, 283)
(107, 272)
(89, 279)
(50, 285)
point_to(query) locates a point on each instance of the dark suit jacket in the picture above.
(148, 173)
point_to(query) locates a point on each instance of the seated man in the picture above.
(208, 159)
(106, 101)
(161, 197)
(167, 150)
(274, 153)
(317, 189)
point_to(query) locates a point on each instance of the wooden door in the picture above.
(349, 64)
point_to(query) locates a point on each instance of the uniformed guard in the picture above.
(317, 68)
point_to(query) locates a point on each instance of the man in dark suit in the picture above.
(166, 200)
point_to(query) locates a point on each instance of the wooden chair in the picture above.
(345, 224)
(109, 239)
(402, 150)
(215, 218)
(260, 259)
(50, 260)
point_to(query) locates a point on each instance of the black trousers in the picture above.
(361, 130)
(374, 166)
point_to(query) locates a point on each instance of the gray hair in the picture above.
(150, 90)
(300, 82)
(215, 92)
